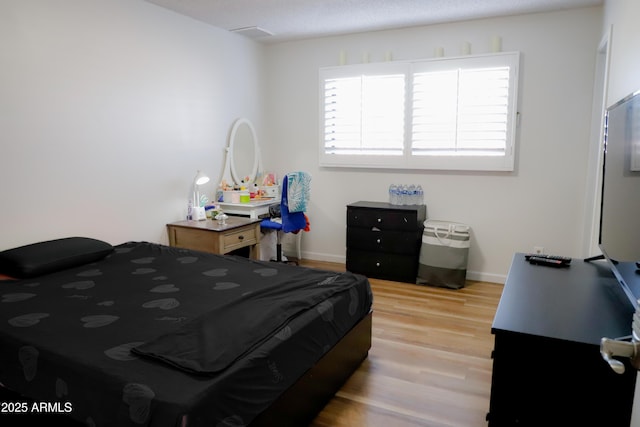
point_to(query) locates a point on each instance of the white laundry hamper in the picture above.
(444, 254)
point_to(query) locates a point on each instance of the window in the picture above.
(364, 111)
(457, 113)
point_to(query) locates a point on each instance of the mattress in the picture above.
(160, 336)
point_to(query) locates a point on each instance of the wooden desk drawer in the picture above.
(215, 237)
(238, 238)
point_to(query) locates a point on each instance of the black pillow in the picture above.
(52, 255)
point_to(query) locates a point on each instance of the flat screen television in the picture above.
(619, 238)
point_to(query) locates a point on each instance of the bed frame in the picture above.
(300, 404)
(297, 406)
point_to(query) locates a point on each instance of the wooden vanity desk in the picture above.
(212, 236)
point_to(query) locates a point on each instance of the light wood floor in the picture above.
(430, 359)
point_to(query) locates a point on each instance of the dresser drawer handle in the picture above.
(378, 241)
(241, 237)
(379, 219)
(377, 264)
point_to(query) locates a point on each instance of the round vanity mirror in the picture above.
(243, 154)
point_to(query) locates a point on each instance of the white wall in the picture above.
(107, 110)
(540, 204)
(624, 69)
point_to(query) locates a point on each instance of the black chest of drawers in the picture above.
(547, 367)
(383, 240)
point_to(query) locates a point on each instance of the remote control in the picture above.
(563, 259)
(551, 262)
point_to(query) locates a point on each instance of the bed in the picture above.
(146, 334)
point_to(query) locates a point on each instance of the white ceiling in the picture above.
(298, 19)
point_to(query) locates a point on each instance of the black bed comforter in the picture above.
(152, 333)
(247, 315)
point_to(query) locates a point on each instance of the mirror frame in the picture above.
(231, 174)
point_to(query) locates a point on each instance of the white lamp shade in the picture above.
(200, 179)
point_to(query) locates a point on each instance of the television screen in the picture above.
(620, 210)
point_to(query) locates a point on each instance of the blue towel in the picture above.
(298, 191)
(291, 221)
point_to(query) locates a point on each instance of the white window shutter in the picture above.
(447, 113)
(364, 114)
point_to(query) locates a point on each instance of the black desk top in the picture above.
(581, 303)
(385, 205)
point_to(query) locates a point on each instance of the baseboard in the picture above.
(479, 276)
(317, 256)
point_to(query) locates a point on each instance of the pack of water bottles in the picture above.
(403, 194)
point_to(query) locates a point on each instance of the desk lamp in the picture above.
(198, 211)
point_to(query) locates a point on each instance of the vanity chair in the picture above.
(292, 217)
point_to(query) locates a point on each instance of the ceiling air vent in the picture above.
(252, 32)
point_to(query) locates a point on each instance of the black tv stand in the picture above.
(547, 367)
